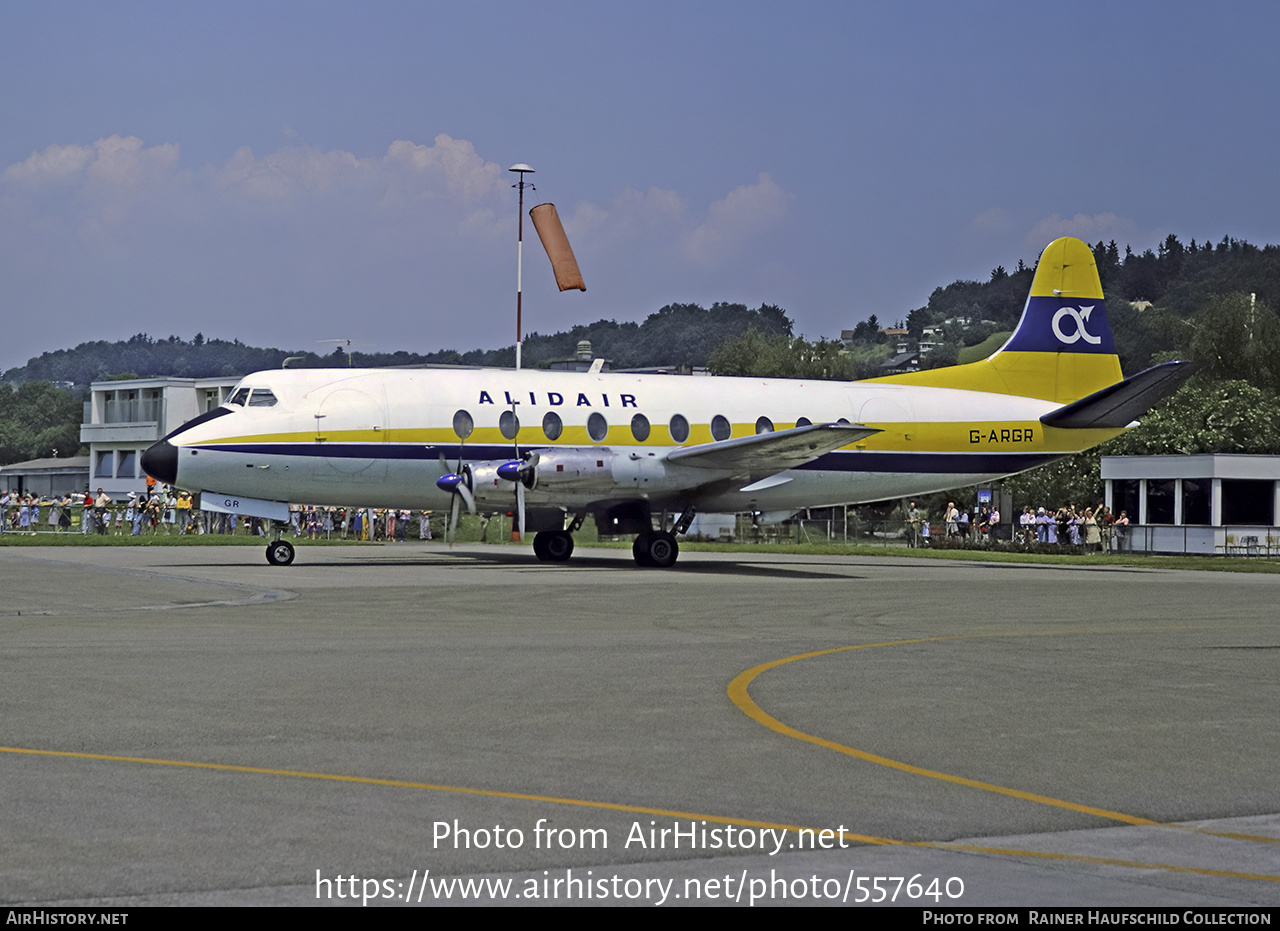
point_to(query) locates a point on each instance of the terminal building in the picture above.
(123, 418)
(1224, 503)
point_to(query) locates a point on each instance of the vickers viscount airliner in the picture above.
(643, 453)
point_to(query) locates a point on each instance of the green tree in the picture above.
(36, 419)
(1206, 417)
(763, 355)
(1238, 337)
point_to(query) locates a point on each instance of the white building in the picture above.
(1208, 503)
(123, 418)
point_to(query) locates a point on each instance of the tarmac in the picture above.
(418, 724)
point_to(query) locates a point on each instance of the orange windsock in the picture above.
(547, 222)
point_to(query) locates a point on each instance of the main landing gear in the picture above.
(656, 549)
(280, 552)
(553, 545)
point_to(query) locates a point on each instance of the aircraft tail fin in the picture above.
(1062, 349)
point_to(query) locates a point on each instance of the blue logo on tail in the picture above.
(1056, 324)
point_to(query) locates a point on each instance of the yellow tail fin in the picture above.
(1062, 349)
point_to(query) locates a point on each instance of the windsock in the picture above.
(547, 222)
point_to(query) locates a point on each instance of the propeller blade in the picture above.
(520, 508)
(454, 508)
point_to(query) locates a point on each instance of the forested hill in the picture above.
(1178, 281)
(678, 334)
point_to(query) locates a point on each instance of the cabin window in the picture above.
(262, 397)
(720, 428)
(803, 422)
(241, 395)
(597, 427)
(640, 427)
(509, 424)
(843, 422)
(679, 428)
(552, 425)
(463, 425)
(764, 425)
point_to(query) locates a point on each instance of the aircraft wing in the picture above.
(756, 457)
(1120, 404)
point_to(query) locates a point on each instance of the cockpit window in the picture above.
(240, 396)
(262, 397)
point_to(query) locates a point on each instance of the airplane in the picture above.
(554, 446)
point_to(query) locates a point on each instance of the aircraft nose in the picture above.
(160, 461)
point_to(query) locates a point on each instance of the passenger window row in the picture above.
(598, 427)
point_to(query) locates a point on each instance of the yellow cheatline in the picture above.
(967, 436)
(632, 809)
(739, 696)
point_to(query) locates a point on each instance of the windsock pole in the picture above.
(521, 169)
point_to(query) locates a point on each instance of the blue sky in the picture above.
(283, 173)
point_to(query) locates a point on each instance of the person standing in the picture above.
(102, 510)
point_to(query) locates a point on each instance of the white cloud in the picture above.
(117, 161)
(57, 161)
(631, 215)
(273, 246)
(743, 214)
(993, 220)
(465, 172)
(1082, 226)
(287, 171)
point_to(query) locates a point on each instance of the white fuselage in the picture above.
(382, 437)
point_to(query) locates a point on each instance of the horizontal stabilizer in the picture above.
(1124, 402)
(764, 454)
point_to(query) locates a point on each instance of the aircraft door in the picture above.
(887, 414)
(351, 428)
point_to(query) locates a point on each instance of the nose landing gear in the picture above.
(553, 545)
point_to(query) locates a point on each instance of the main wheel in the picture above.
(280, 553)
(559, 545)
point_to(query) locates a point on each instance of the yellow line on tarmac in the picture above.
(430, 787)
(635, 809)
(739, 696)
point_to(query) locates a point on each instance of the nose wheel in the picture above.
(280, 552)
(657, 549)
(553, 545)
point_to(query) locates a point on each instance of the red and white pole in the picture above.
(521, 169)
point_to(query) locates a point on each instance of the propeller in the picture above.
(459, 484)
(522, 470)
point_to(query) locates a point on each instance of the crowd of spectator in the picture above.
(1086, 529)
(168, 511)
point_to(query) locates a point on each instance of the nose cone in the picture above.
(160, 461)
